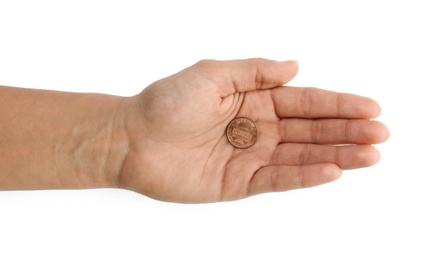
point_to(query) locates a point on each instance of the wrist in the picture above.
(90, 155)
(116, 146)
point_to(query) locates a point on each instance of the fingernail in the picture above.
(289, 61)
(295, 62)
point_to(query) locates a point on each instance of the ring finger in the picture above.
(346, 157)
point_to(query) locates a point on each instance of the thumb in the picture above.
(247, 75)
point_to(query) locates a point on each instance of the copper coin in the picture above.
(242, 132)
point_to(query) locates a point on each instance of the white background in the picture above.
(387, 50)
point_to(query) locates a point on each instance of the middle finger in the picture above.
(332, 131)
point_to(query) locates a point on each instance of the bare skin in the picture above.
(169, 141)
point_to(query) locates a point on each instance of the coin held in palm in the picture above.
(242, 132)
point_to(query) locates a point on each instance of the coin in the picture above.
(242, 132)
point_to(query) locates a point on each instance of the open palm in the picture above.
(178, 150)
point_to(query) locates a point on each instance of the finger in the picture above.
(332, 131)
(346, 157)
(283, 178)
(247, 75)
(320, 103)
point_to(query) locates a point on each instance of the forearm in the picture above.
(60, 140)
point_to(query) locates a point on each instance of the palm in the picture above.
(180, 153)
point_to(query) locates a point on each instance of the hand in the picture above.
(178, 150)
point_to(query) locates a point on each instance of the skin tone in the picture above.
(169, 141)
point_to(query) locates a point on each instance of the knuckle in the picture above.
(274, 180)
(305, 156)
(282, 129)
(316, 131)
(306, 101)
(205, 63)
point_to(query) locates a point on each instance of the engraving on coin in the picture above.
(242, 132)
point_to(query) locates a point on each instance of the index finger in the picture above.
(320, 103)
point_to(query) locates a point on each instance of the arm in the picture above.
(59, 140)
(169, 141)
